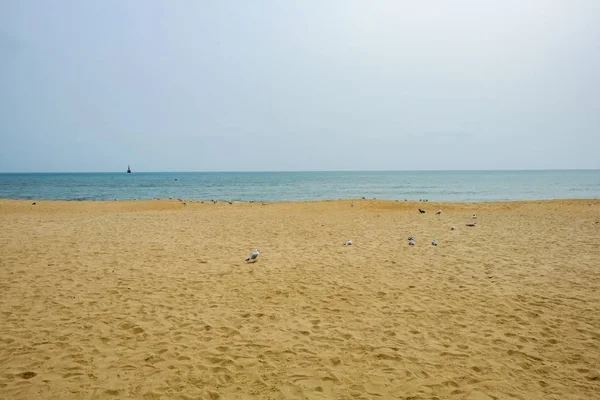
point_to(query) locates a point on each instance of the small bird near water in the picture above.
(348, 242)
(434, 242)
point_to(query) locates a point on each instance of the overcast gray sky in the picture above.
(299, 85)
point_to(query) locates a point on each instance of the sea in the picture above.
(448, 186)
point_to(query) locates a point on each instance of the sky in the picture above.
(299, 85)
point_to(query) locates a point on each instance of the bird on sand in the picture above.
(253, 256)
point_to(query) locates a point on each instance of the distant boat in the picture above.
(128, 169)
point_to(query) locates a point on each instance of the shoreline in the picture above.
(317, 201)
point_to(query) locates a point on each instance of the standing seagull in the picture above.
(434, 242)
(348, 242)
(252, 257)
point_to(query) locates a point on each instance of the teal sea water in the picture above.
(467, 186)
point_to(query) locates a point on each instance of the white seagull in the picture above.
(434, 242)
(411, 242)
(253, 256)
(453, 228)
(348, 242)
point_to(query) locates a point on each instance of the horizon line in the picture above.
(305, 171)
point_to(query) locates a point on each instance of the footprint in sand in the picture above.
(26, 375)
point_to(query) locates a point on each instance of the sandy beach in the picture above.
(153, 300)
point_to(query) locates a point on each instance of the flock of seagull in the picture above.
(411, 240)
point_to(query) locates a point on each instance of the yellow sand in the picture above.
(153, 300)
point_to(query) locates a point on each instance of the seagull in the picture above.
(411, 237)
(421, 211)
(453, 228)
(34, 203)
(411, 242)
(348, 242)
(252, 257)
(438, 212)
(434, 242)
